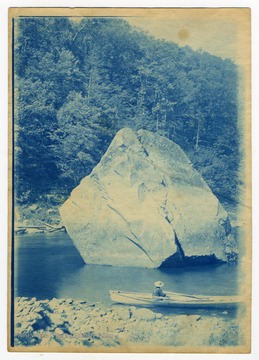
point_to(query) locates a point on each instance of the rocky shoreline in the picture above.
(57, 323)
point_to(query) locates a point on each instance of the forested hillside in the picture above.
(78, 83)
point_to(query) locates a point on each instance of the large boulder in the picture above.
(145, 205)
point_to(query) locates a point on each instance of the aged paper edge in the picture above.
(241, 16)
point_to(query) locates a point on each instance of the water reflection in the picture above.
(42, 262)
(49, 266)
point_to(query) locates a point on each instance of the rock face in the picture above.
(145, 205)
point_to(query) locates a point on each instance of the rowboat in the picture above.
(173, 299)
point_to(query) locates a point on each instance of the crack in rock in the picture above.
(134, 242)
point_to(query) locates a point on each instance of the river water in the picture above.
(48, 266)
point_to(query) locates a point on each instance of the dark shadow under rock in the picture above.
(176, 260)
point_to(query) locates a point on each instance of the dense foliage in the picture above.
(78, 83)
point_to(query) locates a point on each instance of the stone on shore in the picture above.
(145, 205)
(144, 314)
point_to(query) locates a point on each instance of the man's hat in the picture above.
(159, 284)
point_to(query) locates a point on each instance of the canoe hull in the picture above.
(174, 300)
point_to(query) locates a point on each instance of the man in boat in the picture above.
(158, 291)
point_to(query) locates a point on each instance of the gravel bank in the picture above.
(67, 322)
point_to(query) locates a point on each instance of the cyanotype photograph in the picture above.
(129, 180)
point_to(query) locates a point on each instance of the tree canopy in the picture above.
(78, 83)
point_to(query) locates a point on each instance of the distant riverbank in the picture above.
(38, 218)
(57, 323)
